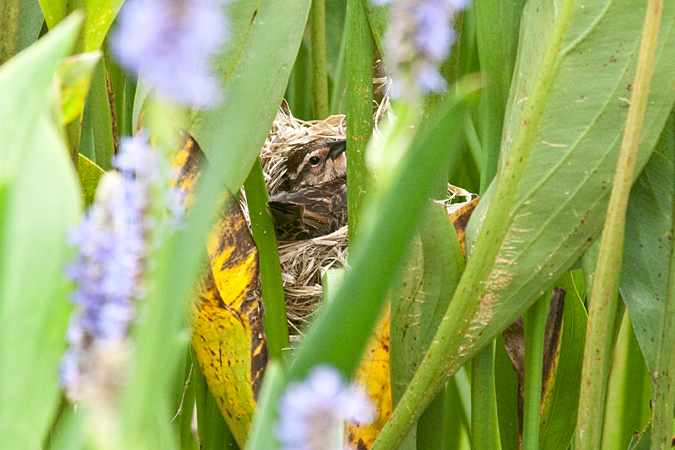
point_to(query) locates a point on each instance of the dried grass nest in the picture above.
(303, 263)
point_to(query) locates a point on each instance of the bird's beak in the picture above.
(336, 148)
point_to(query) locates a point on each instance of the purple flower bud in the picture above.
(110, 261)
(310, 411)
(419, 38)
(171, 42)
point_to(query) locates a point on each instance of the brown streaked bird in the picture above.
(312, 200)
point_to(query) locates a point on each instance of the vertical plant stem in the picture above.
(319, 64)
(663, 379)
(604, 292)
(534, 325)
(339, 75)
(484, 427)
(262, 227)
(359, 99)
(184, 415)
(9, 26)
(127, 127)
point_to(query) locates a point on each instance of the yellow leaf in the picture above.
(228, 338)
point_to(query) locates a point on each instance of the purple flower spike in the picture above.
(419, 38)
(109, 265)
(171, 42)
(310, 412)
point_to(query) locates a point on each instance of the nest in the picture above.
(303, 263)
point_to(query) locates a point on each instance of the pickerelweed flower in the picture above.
(108, 268)
(418, 39)
(171, 43)
(310, 411)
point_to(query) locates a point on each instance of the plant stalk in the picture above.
(484, 427)
(604, 292)
(359, 102)
(534, 325)
(319, 64)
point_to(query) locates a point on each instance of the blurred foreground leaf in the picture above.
(39, 199)
(254, 72)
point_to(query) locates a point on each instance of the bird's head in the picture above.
(316, 162)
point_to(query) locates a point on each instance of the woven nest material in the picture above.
(303, 263)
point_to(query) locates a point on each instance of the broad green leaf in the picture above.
(89, 174)
(563, 194)
(560, 194)
(30, 22)
(40, 200)
(43, 200)
(559, 409)
(24, 85)
(403, 358)
(75, 74)
(184, 397)
(419, 303)
(647, 247)
(254, 72)
(99, 16)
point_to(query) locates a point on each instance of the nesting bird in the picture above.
(312, 198)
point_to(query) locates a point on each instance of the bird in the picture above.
(312, 197)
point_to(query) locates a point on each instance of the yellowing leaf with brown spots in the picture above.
(228, 336)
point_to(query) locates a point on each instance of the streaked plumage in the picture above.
(313, 197)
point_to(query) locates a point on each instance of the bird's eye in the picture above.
(314, 160)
